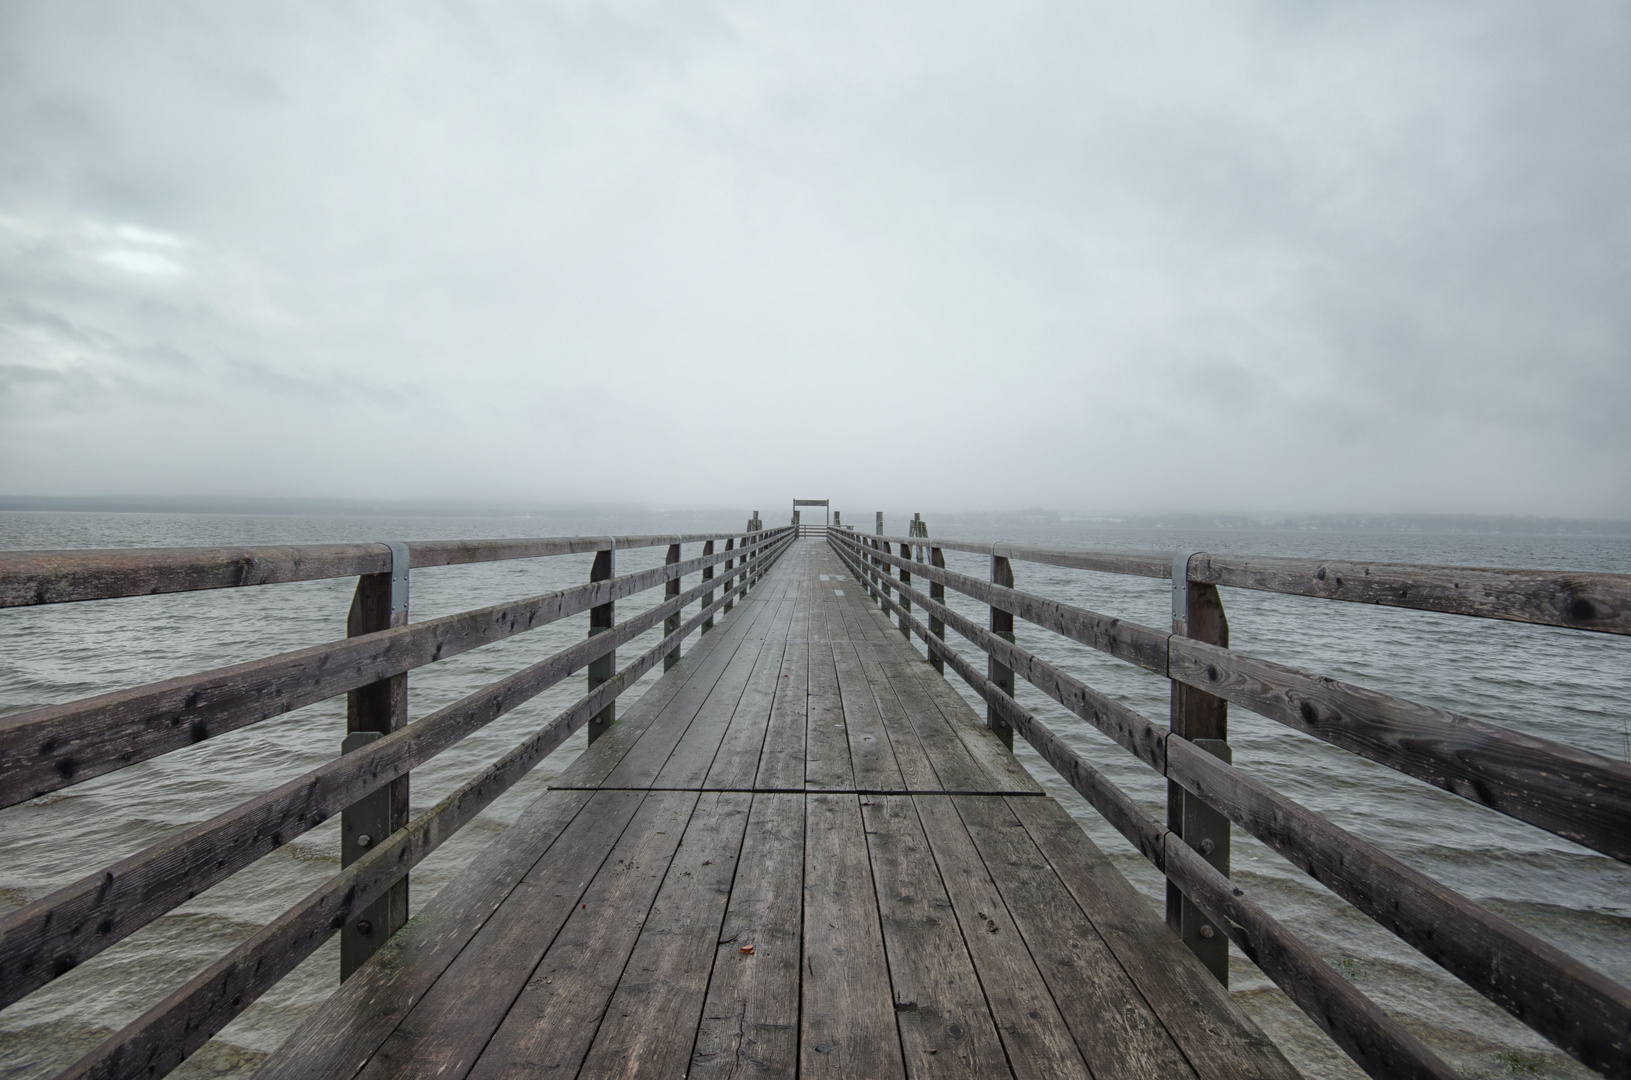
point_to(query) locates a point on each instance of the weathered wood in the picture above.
(1574, 1006)
(1226, 1045)
(601, 619)
(378, 708)
(781, 758)
(651, 1024)
(1136, 644)
(736, 761)
(671, 590)
(750, 1021)
(1119, 722)
(44, 749)
(707, 575)
(1198, 614)
(1115, 1028)
(364, 1011)
(1581, 796)
(1378, 1043)
(1002, 626)
(688, 763)
(550, 1025)
(1581, 600)
(55, 577)
(1578, 795)
(826, 741)
(937, 592)
(847, 1024)
(872, 757)
(729, 563)
(52, 935)
(945, 1026)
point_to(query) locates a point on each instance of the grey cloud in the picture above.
(1353, 258)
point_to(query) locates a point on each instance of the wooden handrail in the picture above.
(50, 936)
(1572, 793)
(165, 1035)
(54, 746)
(1576, 1007)
(55, 577)
(1374, 1039)
(1582, 601)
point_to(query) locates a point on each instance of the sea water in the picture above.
(1564, 685)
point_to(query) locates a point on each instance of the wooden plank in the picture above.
(553, 1020)
(916, 769)
(693, 755)
(447, 1027)
(647, 756)
(781, 760)
(1117, 1031)
(871, 754)
(980, 741)
(365, 1009)
(736, 761)
(590, 768)
(651, 1023)
(847, 1026)
(826, 743)
(945, 1026)
(1216, 1037)
(750, 1020)
(1038, 1040)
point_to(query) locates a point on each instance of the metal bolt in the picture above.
(366, 927)
(1207, 932)
(1207, 845)
(363, 839)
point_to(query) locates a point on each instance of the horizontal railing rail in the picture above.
(54, 746)
(48, 748)
(1579, 600)
(55, 577)
(1578, 795)
(1570, 1003)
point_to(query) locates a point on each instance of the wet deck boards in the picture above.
(799, 854)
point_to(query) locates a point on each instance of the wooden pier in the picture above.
(801, 852)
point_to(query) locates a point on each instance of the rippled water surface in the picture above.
(1558, 684)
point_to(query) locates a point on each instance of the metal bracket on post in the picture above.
(399, 582)
(364, 824)
(1180, 592)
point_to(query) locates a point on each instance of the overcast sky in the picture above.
(1106, 257)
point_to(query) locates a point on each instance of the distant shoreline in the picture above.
(1481, 524)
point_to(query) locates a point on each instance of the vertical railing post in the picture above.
(373, 711)
(906, 581)
(879, 591)
(601, 620)
(937, 592)
(670, 590)
(1002, 624)
(730, 545)
(707, 597)
(1197, 612)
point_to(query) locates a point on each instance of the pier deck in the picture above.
(800, 853)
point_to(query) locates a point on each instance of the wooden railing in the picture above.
(53, 747)
(1581, 796)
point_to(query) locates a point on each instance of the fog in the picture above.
(1100, 257)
